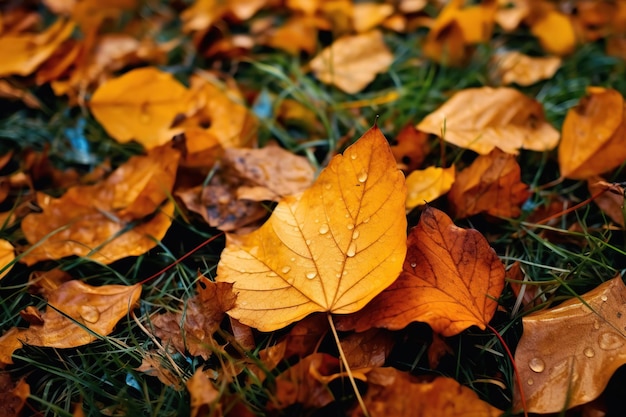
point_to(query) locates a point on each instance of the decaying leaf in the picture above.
(610, 198)
(13, 395)
(93, 221)
(330, 249)
(153, 364)
(369, 349)
(191, 330)
(492, 184)
(424, 186)
(515, 67)
(567, 354)
(395, 393)
(7, 256)
(142, 105)
(451, 280)
(352, 62)
(594, 135)
(482, 119)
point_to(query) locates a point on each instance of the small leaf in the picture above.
(451, 280)
(515, 67)
(330, 249)
(567, 354)
(555, 33)
(7, 256)
(424, 186)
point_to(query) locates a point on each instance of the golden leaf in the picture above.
(482, 119)
(330, 249)
(515, 67)
(7, 255)
(424, 186)
(555, 32)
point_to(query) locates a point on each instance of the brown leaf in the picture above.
(200, 318)
(204, 396)
(352, 62)
(153, 364)
(492, 184)
(411, 148)
(482, 119)
(13, 395)
(451, 280)
(369, 349)
(594, 135)
(610, 198)
(515, 67)
(394, 393)
(567, 354)
(93, 220)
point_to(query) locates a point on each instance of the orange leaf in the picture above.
(610, 198)
(567, 354)
(13, 395)
(424, 186)
(330, 249)
(7, 256)
(515, 67)
(141, 104)
(23, 53)
(352, 62)
(482, 119)
(594, 135)
(394, 393)
(451, 280)
(411, 149)
(492, 184)
(555, 32)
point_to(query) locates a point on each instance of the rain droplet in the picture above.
(272, 274)
(366, 220)
(338, 275)
(285, 269)
(311, 274)
(145, 118)
(537, 365)
(351, 250)
(308, 242)
(356, 234)
(290, 281)
(588, 352)
(350, 226)
(530, 381)
(362, 177)
(353, 156)
(604, 298)
(610, 341)
(328, 186)
(596, 325)
(413, 264)
(89, 313)
(292, 259)
(324, 229)
(347, 215)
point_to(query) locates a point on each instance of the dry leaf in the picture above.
(204, 396)
(23, 53)
(424, 186)
(298, 33)
(367, 16)
(567, 354)
(492, 184)
(482, 119)
(394, 393)
(511, 13)
(10, 92)
(515, 67)
(142, 105)
(411, 148)
(610, 198)
(200, 317)
(7, 257)
(352, 62)
(13, 395)
(451, 280)
(153, 364)
(594, 135)
(368, 349)
(555, 32)
(92, 220)
(330, 249)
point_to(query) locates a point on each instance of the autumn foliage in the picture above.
(206, 190)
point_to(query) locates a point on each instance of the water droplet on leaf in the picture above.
(324, 229)
(350, 226)
(89, 313)
(610, 341)
(356, 234)
(537, 365)
(588, 352)
(311, 274)
(362, 177)
(351, 250)
(285, 269)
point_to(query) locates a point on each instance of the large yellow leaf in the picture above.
(330, 249)
(482, 119)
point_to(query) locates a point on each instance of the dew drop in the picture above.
(285, 269)
(353, 156)
(356, 234)
(596, 325)
(366, 220)
(338, 275)
(311, 274)
(604, 298)
(272, 274)
(324, 229)
(351, 250)
(292, 259)
(537, 365)
(413, 264)
(530, 381)
(588, 352)
(350, 226)
(290, 281)
(328, 186)
(308, 242)
(89, 313)
(145, 118)
(347, 215)
(610, 341)
(362, 177)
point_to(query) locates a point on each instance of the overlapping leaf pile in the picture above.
(319, 232)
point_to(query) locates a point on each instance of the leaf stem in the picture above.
(348, 370)
(515, 371)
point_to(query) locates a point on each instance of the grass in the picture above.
(563, 261)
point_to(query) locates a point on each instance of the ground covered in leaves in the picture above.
(320, 208)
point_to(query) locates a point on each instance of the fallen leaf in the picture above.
(492, 185)
(515, 67)
(369, 349)
(594, 135)
(298, 33)
(10, 92)
(482, 119)
(367, 16)
(152, 363)
(24, 52)
(13, 395)
(424, 186)
(142, 105)
(330, 249)
(394, 393)
(567, 354)
(610, 198)
(352, 62)
(204, 396)
(510, 14)
(411, 148)
(93, 220)
(555, 32)
(191, 330)
(7, 257)
(437, 350)
(451, 280)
